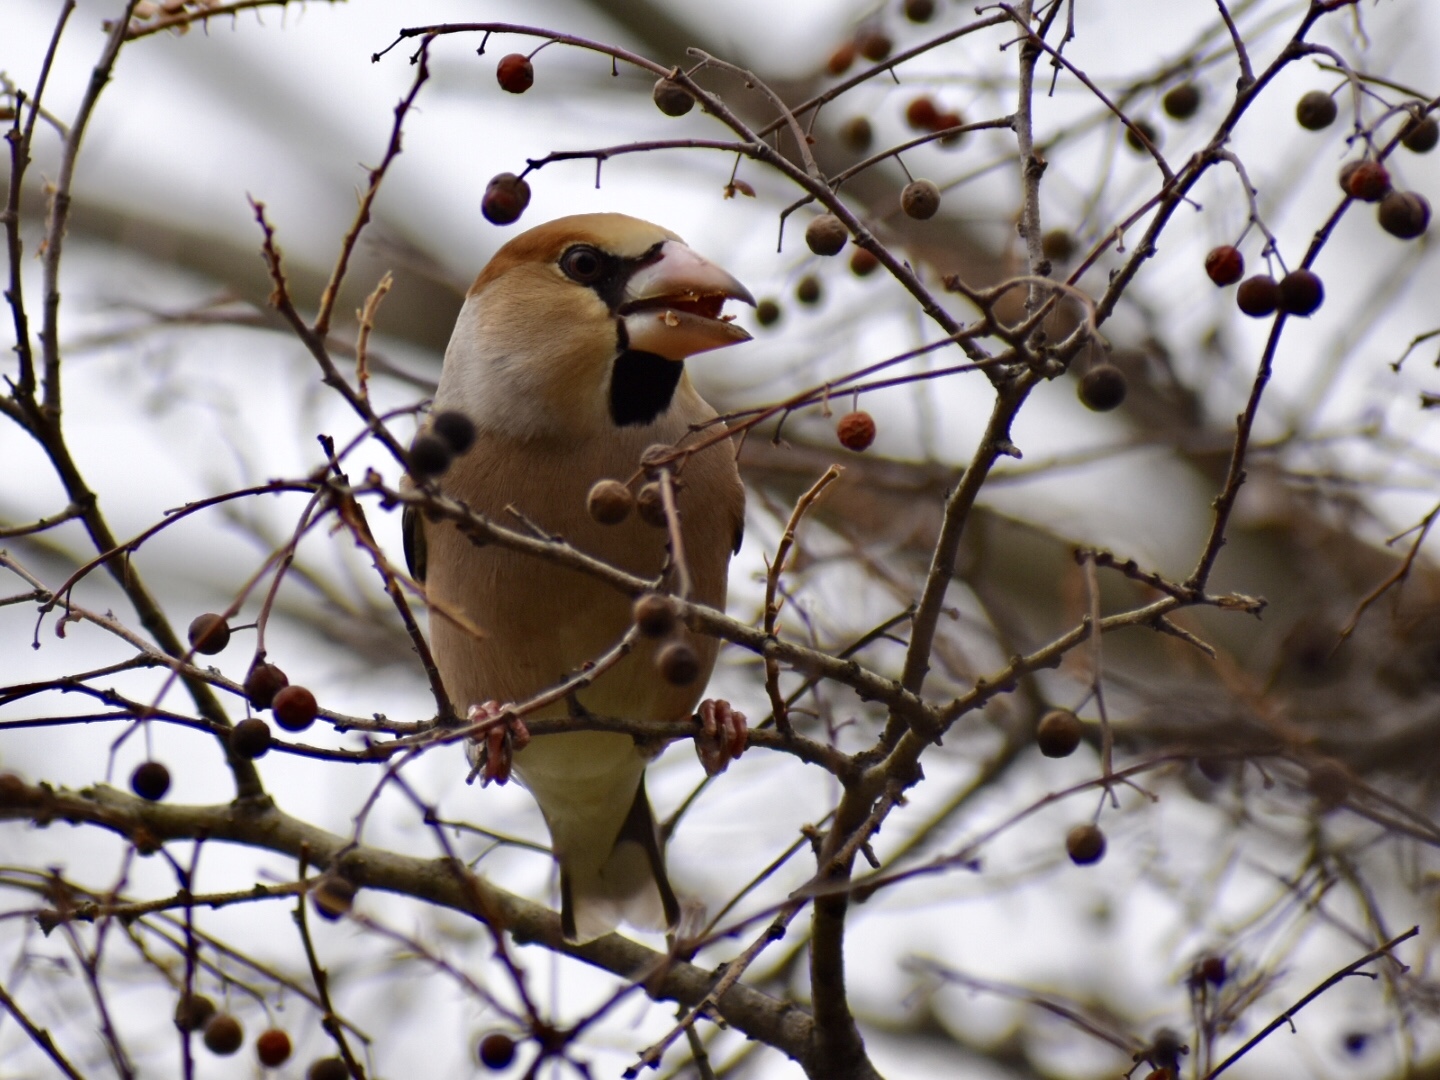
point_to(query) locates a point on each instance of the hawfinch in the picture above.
(569, 359)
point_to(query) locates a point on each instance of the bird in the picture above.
(568, 358)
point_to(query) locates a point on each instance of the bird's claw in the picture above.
(723, 735)
(491, 749)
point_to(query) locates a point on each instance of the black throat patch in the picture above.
(641, 386)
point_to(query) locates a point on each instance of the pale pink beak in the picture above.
(672, 305)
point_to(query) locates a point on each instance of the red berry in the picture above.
(515, 73)
(856, 430)
(497, 1050)
(1258, 296)
(919, 11)
(1085, 844)
(863, 263)
(1102, 388)
(263, 683)
(506, 197)
(841, 59)
(1225, 265)
(1405, 214)
(1301, 292)
(650, 506)
(150, 780)
(1212, 970)
(295, 708)
(273, 1048)
(807, 290)
(209, 634)
(921, 114)
(873, 43)
(455, 430)
(224, 1035)
(949, 120)
(1368, 181)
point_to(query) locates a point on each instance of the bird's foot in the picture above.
(491, 749)
(723, 735)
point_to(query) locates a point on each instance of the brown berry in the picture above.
(609, 502)
(826, 235)
(671, 98)
(1316, 110)
(294, 708)
(497, 1050)
(193, 1012)
(1329, 782)
(224, 1035)
(919, 11)
(1420, 136)
(1058, 245)
(150, 780)
(856, 430)
(1181, 102)
(455, 430)
(429, 456)
(678, 664)
(1102, 388)
(1134, 131)
(273, 1048)
(209, 634)
(515, 73)
(920, 199)
(1225, 265)
(857, 134)
(250, 738)
(650, 505)
(873, 43)
(655, 615)
(1212, 970)
(807, 289)
(331, 1068)
(1405, 214)
(863, 263)
(332, 896)
(767, 312)
(1301, 292)
(262, 684)
(949, 120)
(841, 59)
(1085, 844)
(1368, 181)
(921, 114)
(1058, 733)
(1258, 296)
(506, 197)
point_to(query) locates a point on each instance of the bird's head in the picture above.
(583, 324)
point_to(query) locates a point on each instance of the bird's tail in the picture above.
(629, 885)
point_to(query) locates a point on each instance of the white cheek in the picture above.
(489, 378)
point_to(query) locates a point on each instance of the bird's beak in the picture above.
(672, 305)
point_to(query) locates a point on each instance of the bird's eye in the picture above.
(582, 264)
